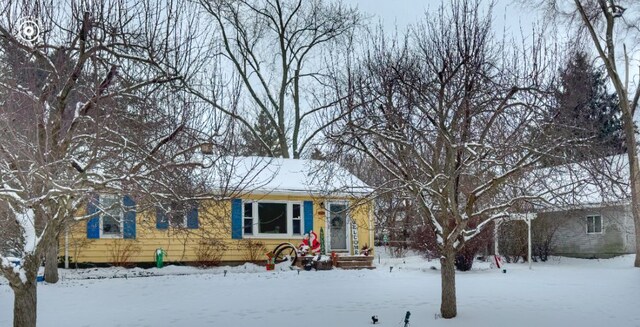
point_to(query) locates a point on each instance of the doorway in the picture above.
(338, 221)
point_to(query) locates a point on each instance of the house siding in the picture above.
(181, 244)
(571, 238)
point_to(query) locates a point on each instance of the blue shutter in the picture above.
(129, 219)
(162, 221)
(93, 223)
(236, 219)
(192, 217)
(308, 216)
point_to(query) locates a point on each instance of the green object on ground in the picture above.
(160, 253)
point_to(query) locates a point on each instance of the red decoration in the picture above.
(270, 261)
(310, 241)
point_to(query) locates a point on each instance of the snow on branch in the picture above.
(26, 220)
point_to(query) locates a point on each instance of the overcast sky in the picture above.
(508, 16)
(402, 13)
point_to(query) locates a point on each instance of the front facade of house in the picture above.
(237, 229)
(593, 232)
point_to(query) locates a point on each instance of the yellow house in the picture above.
(256, 204)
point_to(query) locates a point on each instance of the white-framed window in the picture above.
(111, 222)
(594, 224)
(177, 215)
(247, 217)
(272, 218)
(296, 218)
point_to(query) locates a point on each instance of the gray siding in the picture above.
(572, 239)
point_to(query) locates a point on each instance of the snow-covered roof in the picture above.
(265, 175)
(590, 183)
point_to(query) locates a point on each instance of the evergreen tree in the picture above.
(586, 111)
(317, 154)
(252, 146)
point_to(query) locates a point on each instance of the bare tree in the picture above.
(276, 48)
(609, 25)
(456, 120)
(84, 91)
(394, 212)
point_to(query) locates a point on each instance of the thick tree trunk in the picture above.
(606, 52)
(51, 263)
(634, 171)
(635, 193)
(25, 305)
(448, 306)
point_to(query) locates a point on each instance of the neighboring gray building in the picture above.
(589, 202)
(594, 232)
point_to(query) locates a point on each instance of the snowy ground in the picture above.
(562, 292)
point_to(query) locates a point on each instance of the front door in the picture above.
(338, 223)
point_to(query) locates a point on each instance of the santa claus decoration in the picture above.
(310, 242)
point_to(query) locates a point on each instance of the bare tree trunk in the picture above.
(25, 305)
(634, 180)
(632, 151)
(635, 209)
(628, 125)
(448, 306)
(51, 263)
(605, 45)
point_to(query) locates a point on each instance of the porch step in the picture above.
(355, 258)
(354, 265)
(354, 262)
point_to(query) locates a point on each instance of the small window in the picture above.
(248, 218)
(594, 224)
(297, 219)
(177, 215)
(111, 219)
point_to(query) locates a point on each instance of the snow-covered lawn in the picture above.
(561, 292)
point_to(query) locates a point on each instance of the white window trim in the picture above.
(182, 225)
(256, 220)
(601, 225)
(184, 219)
(120, 218)
(253, 218)
(185, 216)
(290, 218)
